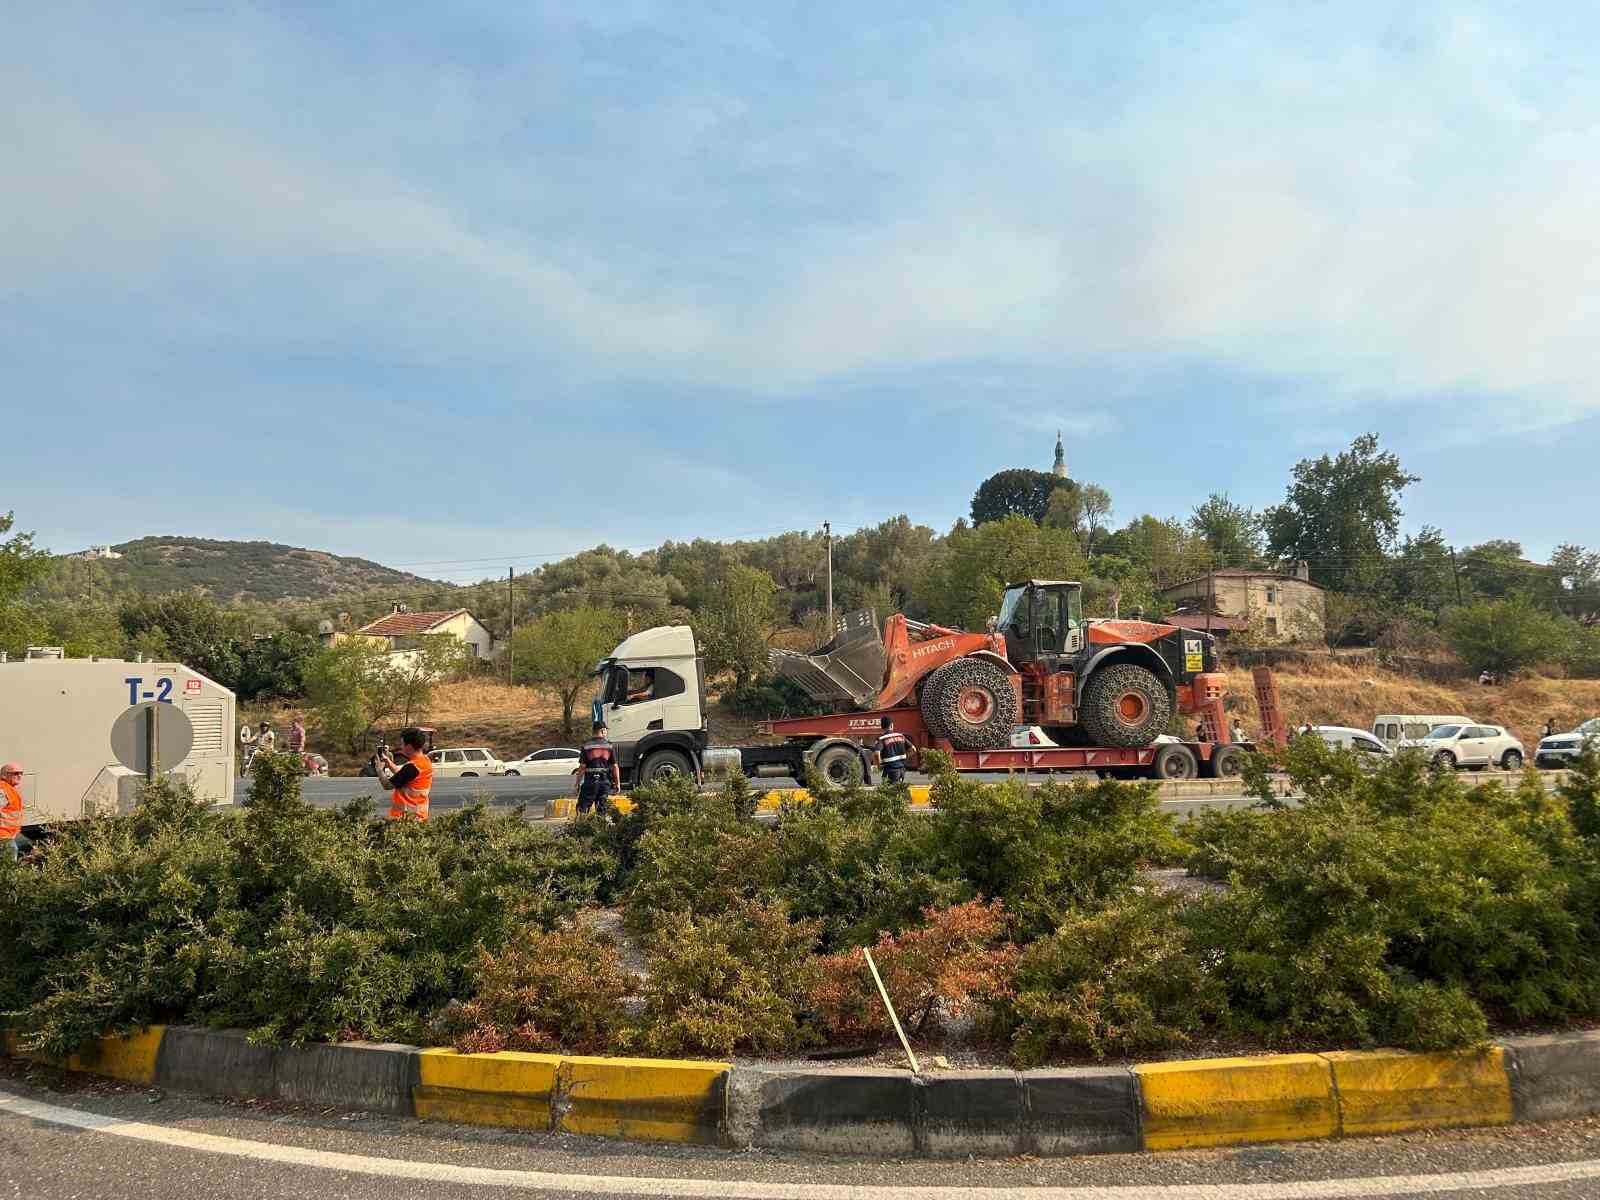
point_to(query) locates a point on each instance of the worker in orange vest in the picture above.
(10, 808)
(410, 781)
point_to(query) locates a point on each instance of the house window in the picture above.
(1272, 626)
(1272, 594)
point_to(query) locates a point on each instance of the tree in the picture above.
(1578, 572)
(966, 586)
(559, 651)
(348, 689)
(1164, 548)
(275, 666)
(21, 565)
(735, 622)
(188, 627)
(412, 676)
(1505, 635)
(1094, 505)
(1017, 492)
(1231, 531)
(1423, 573)
(1341, 515)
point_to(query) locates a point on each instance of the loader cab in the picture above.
(1042, 619)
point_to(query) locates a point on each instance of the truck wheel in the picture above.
(665, 764)
(1227, 762)
(928, 700)
(1125, 705)
(977, 705)
(1175, 762)
(839, 765)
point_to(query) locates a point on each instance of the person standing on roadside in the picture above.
(410, 782)
(1550, 727)
(10, 809)
(297, 736)
(892, 748)
(599, 771)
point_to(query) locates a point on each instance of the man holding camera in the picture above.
(410, 781)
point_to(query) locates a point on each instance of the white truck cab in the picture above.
(652, 697)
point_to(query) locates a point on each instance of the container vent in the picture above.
(210, 721)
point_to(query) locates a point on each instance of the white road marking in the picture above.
(733, 1189)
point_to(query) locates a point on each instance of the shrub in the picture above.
(704, 862)
(1116, 981)
(771, 696)
(937, 969)
(1048, 850)
(726, 982)
(556, 990)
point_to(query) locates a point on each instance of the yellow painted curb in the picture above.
(1220, 1101)
(131, 1058)
(508, 1088)
(1389, 1091)
(661, 1100)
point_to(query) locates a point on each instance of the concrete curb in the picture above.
(1153, 1106)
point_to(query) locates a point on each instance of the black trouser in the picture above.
(894, 772)
(594, 792)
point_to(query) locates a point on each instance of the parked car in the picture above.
(466, 763)
(1475, 746)
(1344, 737)
(1560, 749)
(557, 760)
(1394, 728)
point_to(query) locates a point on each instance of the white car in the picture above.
(1344, 737)
(467, 762)
(558, 760)
(1475, 746)
(1560, 749)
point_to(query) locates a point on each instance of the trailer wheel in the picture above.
(977, 705)
(1176, 762)
(839, 765)
(1125, 705)
(665, 764)
(1227, 762)
(928, 693)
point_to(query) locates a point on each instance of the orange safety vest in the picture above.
(411, 802)
(10, 812)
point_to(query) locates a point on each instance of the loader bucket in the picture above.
(849, 669)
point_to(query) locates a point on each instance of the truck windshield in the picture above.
(1014, 609)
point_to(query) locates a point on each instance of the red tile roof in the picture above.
(400, 624)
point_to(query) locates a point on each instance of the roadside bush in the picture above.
(556, 990)
(1049, 850)
(932, 971)
(706, 862)
(729, 981)
(1397, 907)
(294, 923)
(1116, 981)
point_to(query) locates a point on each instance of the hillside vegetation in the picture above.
(239, 571)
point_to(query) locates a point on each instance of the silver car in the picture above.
(1474, 746)
(1560, 749)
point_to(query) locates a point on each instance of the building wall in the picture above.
(1291, 608)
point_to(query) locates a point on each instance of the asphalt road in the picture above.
(536, 793)
(68, 1138)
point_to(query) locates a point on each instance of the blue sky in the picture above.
(631, 271)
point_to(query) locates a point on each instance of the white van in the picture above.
(1393, 728)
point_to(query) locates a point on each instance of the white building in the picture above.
(404, 631)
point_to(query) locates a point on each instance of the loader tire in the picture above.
(976, 704)
(928, 701)
(1125, 705)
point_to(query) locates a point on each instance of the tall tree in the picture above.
(736, 620)
(1342, 515)
(1422, 574)
(560, 649)
(965, 586)
(1230, 531)
(189, 627)
(1018, 492)
(1578, 571)
(21, 565)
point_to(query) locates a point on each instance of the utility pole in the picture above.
(827, 533)
(1456, 571)
(511, 624)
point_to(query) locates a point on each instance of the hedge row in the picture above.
(1396, 907)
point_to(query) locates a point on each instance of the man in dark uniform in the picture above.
(892, 748)
(599, 772)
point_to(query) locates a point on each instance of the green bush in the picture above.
(729, 981)
(771, 696)
(706, 862)
(294, 923)
(1397, 906)
(1116, 981)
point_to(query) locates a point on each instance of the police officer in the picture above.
(892, 748)
(599, 772)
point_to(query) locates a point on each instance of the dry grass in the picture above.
(1334, 694)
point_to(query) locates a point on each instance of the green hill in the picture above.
(232, 571)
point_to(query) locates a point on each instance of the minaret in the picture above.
(1060, 469)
